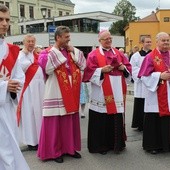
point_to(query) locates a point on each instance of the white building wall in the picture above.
(77, 39)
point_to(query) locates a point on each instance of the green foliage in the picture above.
(127, 10)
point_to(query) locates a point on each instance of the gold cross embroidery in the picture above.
(109, 99)
(157, 60)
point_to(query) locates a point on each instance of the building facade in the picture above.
(30, 10)
(41, 17)
(84, 30)
(150, 25)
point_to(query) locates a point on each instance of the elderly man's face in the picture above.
(164, 43)
(105, 40)
(29, 43)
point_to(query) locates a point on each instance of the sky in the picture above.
(143, 7)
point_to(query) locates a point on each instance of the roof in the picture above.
(98, 15)
(152, 17)
(64, 1)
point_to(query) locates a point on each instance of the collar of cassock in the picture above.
(104, 49)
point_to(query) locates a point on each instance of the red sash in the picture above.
(10, 60)
(32, 69)
(70, 93)
(160, 66)
(106, 85)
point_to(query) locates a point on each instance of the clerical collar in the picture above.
(144, 53)
(104, 49)
(62, 49)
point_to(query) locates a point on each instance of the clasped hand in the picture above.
(107, 69)
(165, 75)
(13, 86)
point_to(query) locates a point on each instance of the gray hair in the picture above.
(28, 35)
(3, 8)
(60, 30)
(160, 34)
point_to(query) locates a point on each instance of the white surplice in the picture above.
(31, 111)
(97, 97)
(11, 157)
(139, 87)
(151, 84)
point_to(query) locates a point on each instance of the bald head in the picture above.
(105, 39)
(103, 33)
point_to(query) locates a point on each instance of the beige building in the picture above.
(29, 10)
(150, 25)
(41, 17)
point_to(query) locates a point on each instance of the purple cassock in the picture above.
(59, 134)
(147, 66)
(111, 59)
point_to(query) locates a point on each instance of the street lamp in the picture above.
(44, 14)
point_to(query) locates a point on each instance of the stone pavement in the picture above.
(132, 158)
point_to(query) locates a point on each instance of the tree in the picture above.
(127, 10)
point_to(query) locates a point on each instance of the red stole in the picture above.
(162, 95)
(106, 85)
(70, 92)
(10, 60)
(32, 69)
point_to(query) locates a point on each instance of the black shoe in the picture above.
(59, 159)
(32, 148)
(118, 151)
(140, 129)
(76, 155)
(154, 152)
(103, 152)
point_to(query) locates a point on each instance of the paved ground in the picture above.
(133, 158)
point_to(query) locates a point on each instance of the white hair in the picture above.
(160, 34)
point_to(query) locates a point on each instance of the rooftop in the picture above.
(98, 15)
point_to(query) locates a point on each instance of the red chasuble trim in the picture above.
(32, 69)
(160, 66)
(106, 85)
(70, 92)
(11, 59)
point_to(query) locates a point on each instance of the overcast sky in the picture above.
(143, 7)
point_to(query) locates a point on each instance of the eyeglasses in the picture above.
(107, 39)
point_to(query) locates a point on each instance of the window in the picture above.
(60, 13)
(49, 13)
(67, 13)
(7, 4)
(166, 19)
(31, 11)
(22, 11)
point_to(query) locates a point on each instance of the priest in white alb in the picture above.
(11, 81)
